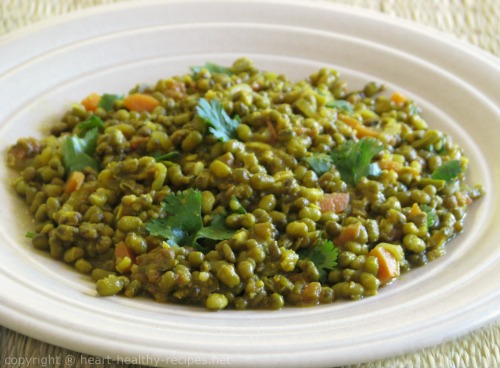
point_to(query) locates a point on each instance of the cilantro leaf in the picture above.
(30, 234)
(91, 122)
(107, 101)
(157, 227)
(447, 171)
(78, 152)
(352, 159)
(219, 122)
(236, 206)
(320, 163)
(212, 68)
(181, 223)
(324, 255)
(216, 231)
(432, 216)
(341, 105)
(166, 156)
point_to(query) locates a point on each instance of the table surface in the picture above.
(474, 21)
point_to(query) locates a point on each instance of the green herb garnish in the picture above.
(181, 224)
(340, 105)
(432, 216)
(90, 123)
(212, 68)
(353, 159)
(447, 171)
(220, 124)
(107, 101)
(78, 152)
(324, 255)
(30, 234)
(167, 156)
(320, 163)
(236, 206)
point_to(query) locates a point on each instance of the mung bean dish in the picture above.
(234, 187)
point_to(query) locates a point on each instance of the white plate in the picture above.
(109, 49)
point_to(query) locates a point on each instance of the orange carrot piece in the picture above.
(140, 102)
(348, 233)
(91, 102)
(270, 126)
(122, 252)
(136, 142)
(74, 181)
(388, 265)
(361, 130)
(334, 202)
(398, 98)
(415, 210)
(390, 165)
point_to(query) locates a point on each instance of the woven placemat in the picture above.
(474, 21)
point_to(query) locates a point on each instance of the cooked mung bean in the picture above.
(237, 188)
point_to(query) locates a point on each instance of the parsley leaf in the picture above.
(320, 163)
(447, 171)
(182, 224)
(352, 159)
(219, 122)
(324, 255)
(341, 105)
(107, 101)
(92, 121)
(78, 152)
(212, 68)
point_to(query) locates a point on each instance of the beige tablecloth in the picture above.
(475, 21)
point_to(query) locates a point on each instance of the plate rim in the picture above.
(110, 7)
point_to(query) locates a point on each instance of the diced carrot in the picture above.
(361, 130)
(388, 265)
(334, 202)
(415, 210)
(140, 102)
(398, 98)
(271, 128)
(390, 165)
(122, 252)
(91, 102)
(136, 142)
(74, 181)
(350, 232)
